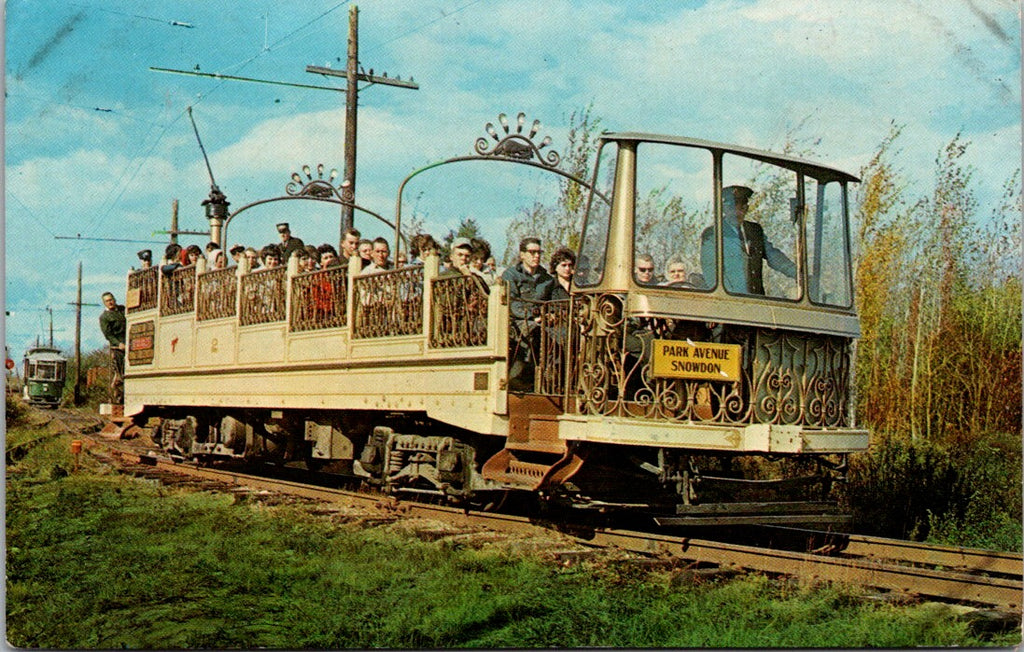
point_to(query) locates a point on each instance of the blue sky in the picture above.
(96, 144)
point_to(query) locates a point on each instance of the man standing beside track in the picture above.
(112, 325)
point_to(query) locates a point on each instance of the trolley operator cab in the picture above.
(701, 366)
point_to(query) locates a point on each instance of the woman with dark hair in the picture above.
(419, 246)
(271, 255)
(480, 251)
(563, 266)
(194, 253)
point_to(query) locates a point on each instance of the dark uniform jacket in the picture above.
(112, 325)
(289, 247)
(742, 255)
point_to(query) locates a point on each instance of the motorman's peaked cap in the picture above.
(736, 193)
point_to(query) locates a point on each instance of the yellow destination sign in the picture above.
(696, 360)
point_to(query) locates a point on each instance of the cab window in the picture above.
(674, 190)
(760, 229)
(828, 258)
(590, 264)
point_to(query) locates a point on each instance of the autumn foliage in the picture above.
(939, 296)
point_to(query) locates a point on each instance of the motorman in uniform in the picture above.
(112, 325)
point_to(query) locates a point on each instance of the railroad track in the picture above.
(961, 575)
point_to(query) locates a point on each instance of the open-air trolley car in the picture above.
(721, 399)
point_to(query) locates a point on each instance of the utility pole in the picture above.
(174, 222)
(78, 337)
(352, 78)
(351, 112)
(175, 231)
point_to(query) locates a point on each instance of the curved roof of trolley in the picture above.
(45, 353)
(811, 168)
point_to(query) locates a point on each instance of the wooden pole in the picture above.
(351, 117)
(78, 339)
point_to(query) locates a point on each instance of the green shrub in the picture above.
(959, 493)
(16, 410)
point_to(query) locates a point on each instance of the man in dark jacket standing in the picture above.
(289, 245)
(112, 325)
(527, 282)
(745, 246)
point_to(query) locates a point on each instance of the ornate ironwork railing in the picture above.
(145, 281)
(177, 295)
(801, 379)
(318, 299)
(264, 296)
(388, 303)
(458, 312)
(215, 294)
(786, 378)
(552, 340)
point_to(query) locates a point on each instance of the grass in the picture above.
(96, 560)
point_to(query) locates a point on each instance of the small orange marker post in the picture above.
(76, 449)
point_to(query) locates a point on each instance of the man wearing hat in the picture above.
(458, 259)
(744, 246)
(146, 256)
(289, 245)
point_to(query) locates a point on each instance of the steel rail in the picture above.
(865, 571)
(991, 561)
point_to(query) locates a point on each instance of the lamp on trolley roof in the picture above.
(216, 206)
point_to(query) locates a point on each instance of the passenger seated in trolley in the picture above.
(478, 261)
(380, 256)
(328, 256)
(675, 272)
(643, 269)
(253, 258)
(271, 255)
(744, 245)
(458, 259)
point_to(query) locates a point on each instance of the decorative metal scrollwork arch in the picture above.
(515, 145)
(306, 186)
(509, 147)
(318, 187)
